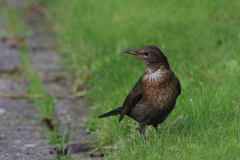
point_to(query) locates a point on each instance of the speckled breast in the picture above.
(160, 89)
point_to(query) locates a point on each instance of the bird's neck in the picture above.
(156, 68)
(157, 75)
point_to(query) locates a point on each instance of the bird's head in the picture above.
(152, 56)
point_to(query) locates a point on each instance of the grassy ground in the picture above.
(202, 42)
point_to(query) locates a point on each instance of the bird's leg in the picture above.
(155, 126)
(141, 131)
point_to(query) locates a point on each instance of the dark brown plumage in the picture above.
(154, 95)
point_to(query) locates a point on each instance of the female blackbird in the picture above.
(154, 95)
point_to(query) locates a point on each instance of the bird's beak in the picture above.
(130, 51)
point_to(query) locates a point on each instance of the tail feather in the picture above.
(112, 113)
(121, 117)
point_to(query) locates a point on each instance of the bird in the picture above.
(154, 95)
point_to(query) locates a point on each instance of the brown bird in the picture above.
(154, 95)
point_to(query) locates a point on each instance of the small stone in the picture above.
(2, 111)
(9, 57)
(17, 154)
(30, 145)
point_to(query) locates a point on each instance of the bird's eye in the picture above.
(146, 53)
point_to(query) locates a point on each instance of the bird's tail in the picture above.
(112, 113)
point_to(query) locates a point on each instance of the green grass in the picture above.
(201, 40)
(43, 101)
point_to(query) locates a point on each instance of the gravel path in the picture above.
(20, 135)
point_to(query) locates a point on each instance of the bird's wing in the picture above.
(179, 87)
(132, 99)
